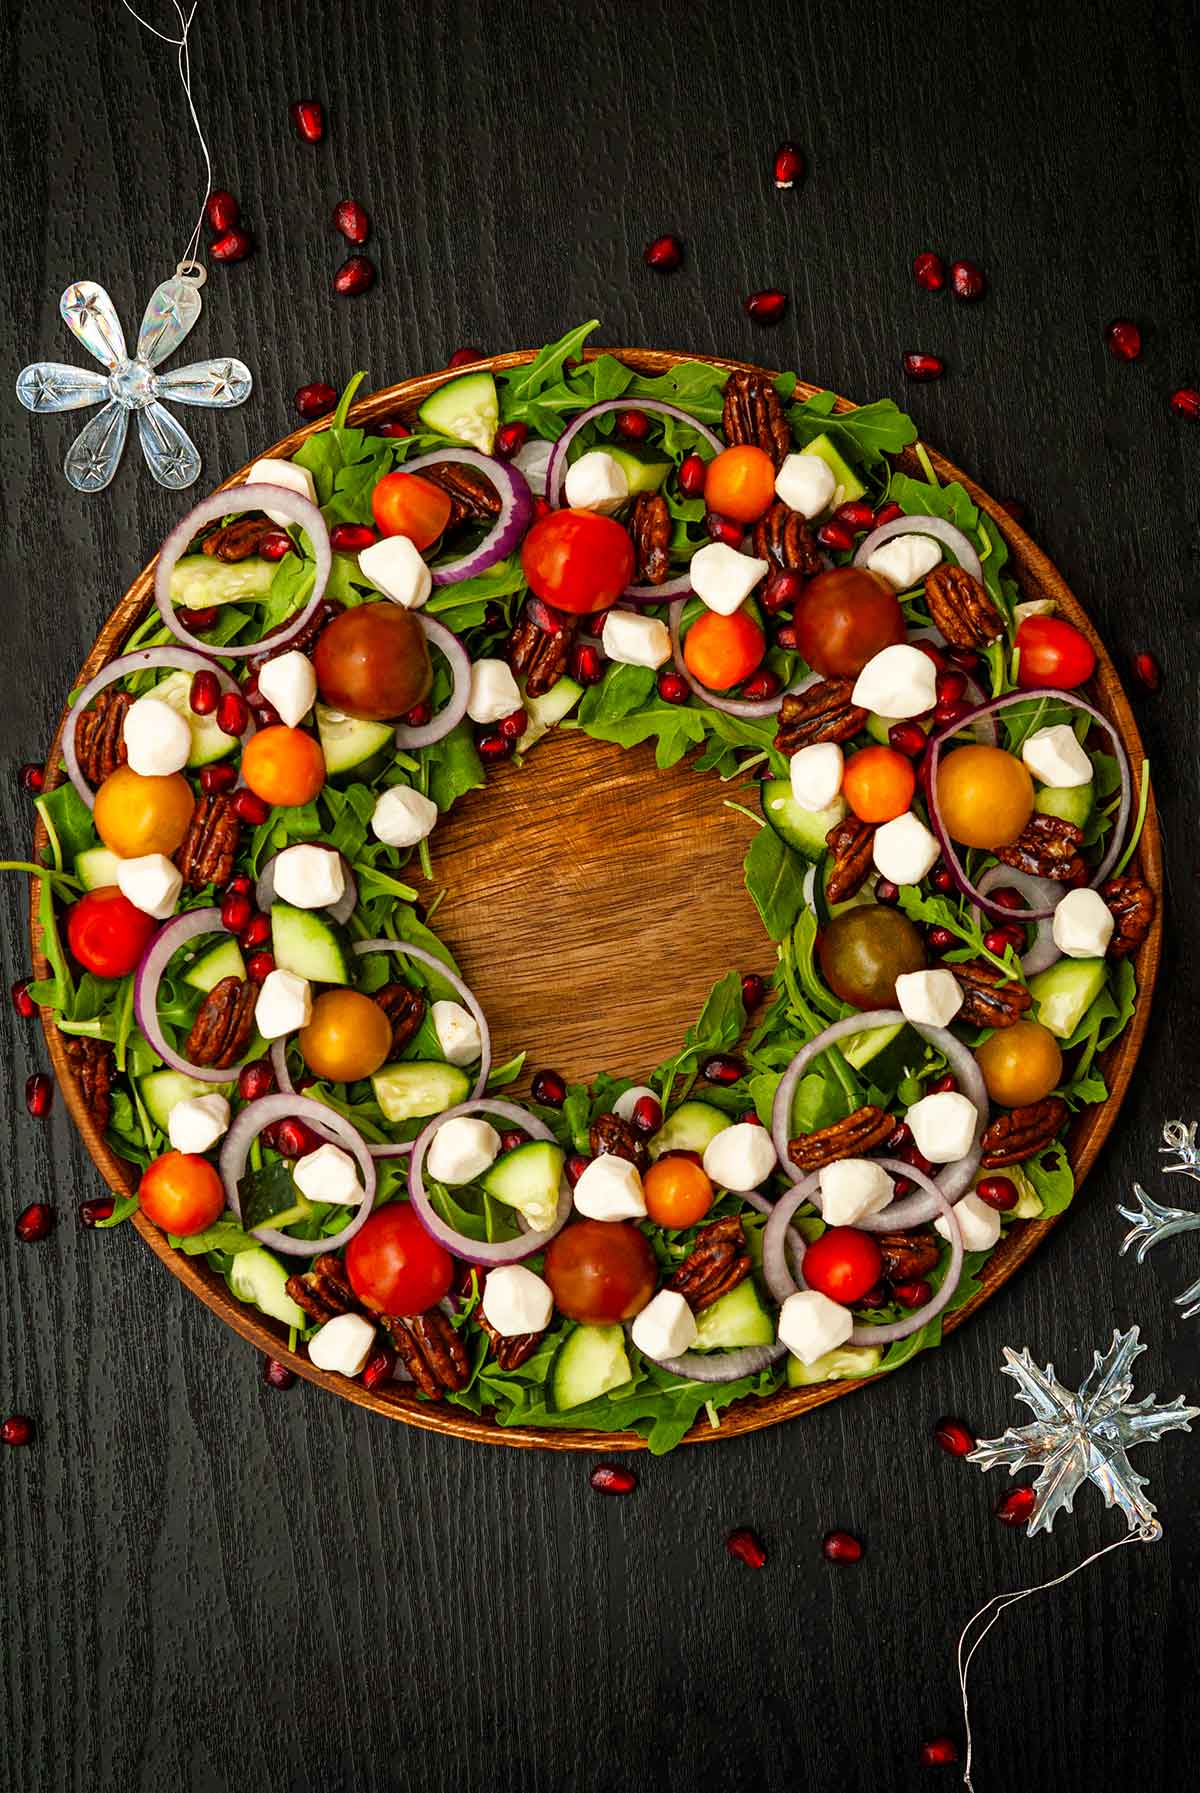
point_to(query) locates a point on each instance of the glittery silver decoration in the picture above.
(1154, 1221)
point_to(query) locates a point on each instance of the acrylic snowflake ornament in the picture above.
(130, 384)
(1084, 1436)
(1154, 1221)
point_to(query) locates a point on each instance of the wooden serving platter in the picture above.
(591, 901)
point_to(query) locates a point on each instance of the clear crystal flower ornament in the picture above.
(131, 385)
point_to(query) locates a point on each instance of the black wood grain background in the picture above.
(210, 1586)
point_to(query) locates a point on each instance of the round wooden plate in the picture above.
(591, 901)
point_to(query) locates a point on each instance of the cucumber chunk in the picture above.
(209, 742)
(738, 1318)
(1065, 992)
(849, 486)
(223, 960)
(304, 942)
(162, 1090)
(200, 580)
(546, 712)
(802, 829)
(528, 1179)
(589, 1363)
(835, 1366)
(466, 409)
(347, 742)
(689, 1129)
(643, 475)
(886, 1053)
(1073, 803)
(96, 868)
(257, 1277)
(414, 1089)
(269, 1197)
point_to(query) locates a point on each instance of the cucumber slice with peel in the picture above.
(223, 960)
(466, 410)
(738, 1318)
(348, 742)
(161, 1091)
(412, 1090)
(803, 829)
(305, 943)
(590, 1362)
(96, 868)
(848, 486)
(200, 580)
(1065, 992)
(835, 1366)
(528, 1179)
(692, 1126)
(209, 741)
(255, 1276)
(548, 711)
(1073, 803)
(643, 475)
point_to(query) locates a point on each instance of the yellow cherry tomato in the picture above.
(1020, 1064)
(135, 815)
(348, 1037)
(740, 483)
(985, 796)
(678, 1192)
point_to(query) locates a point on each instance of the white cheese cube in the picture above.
(151, 883)
(1083, 925)
(309, 877)
(816, 773)
(1033, 607)
(494, 692)
(624, 1105)
(897, 682)
(462, 1149)
(197, 1123)
(457, 1031)
(852, 1187)
(328, 1175)
(516, 1300)
(595, 482)
(905, 559)
(284, 1004)
(723, 578)
(344, 1344)
(1055, 756)
(943, 1126)
(632, 639)
(740, 1157)
(610, 1189)
(157, 738)
(290, 684)
(533, 460)
(930, 998)
(282, 473)
(666, 1326)
(402, 816)
(806, 484)
(395, 568)
(904, 850)
(811, 1324)
(979, 1224)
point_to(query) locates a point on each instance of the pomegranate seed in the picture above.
(205, 694)
(199, 620)
(17, 1429)
(919, 366)
(231, 245)
(511, 1138)
(633, 425)
(356, 275)
(899, 1137)
(419, 715)
(786, 638)
(693, 471)
(250, 808)
(907, 738)
(295, 1139)
(1185, 402)
(551, 622)
(929, 271)
(998, 1192)
(1014, 508)
(754, 990)
(911, 1294)
(938, 1752)
(493, 616)
(945, 1086)
(912, 1155)
(647, 1114)
(256, 1080)
(886, 892)
(239, 886)
(380, 1368)
(259, 967)
(664, 254)
(939, 940)
(887, 513)
(746, 1547)
(996, 940)
(39, 1094)
(722, 1068)
(955, 1438)
(1015, 1507)
(606, 1478)
(763, 685)
(492, 746)
(877, 1296)
(22, 1001)
(511, 439)
(575, 1166)
(277, 1375)
(396, 430)
(673, 688)
(549, 1089)
(858, 514)
(842, 1547)
(236, 911)
(837, 536)
(464, 357)
(692, 1157)
(34, 1223)
(32, 779)
(317, 399)
(586, 666)
(351, 219)
(275, 545)
(749, 1118)
(966, 280)
(1147, 672)
(931, 651)
(946, 715)
(964, 657)
(351, 538)
(541, 508)
(788, 167)
(1124, 339)
(942, 880)
(766, 307)
(222, 211)
(255, 933)
(723, 529)
(782, 590)
(308, 116)
(98, 1209)
(1008, 898)
(951, 686)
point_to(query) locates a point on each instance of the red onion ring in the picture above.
(982, 727)
(165, 944)
(516, 510)
(1043, 953)
(1041, 693)
(732, 706)
(235, 1150)
(341, 911)
(720, 1366)
(233, 502)
(479, 1251)
(451, 713)
(937, 527)
(175, 659)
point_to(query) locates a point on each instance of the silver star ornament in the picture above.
(1155, 1221)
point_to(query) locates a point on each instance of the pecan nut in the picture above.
(224, 1024)
(823, 712)
(405, 1009)
(512, 1351)
(1131, 904)
(990, 997)
(430, 1350)
(305, 639)
(609, 1133)
(1023, 1132)
(961, 607)
(99, 738)
(471, 496)
(784, 538)
(851, 843)
(1047, 846)
(92, 1063)
(650, 527)
(752, 413)
(324, 1291)
(854, 1137)
(209, 848)
(907, 1256)
(238, 540)
(717, 1262)
(538, 653)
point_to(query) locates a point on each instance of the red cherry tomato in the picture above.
(578, 561)
(1053, 653)
(394, 1266)
(843, 1264)
(107, 934)
(181, 1193)
(600, 1271)
(406, 504)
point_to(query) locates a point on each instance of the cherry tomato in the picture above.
(348, 1037)
(844, 618)
(406, 504)
(844, 1263)
(600, 1270)
(740, 483)
(677, 1191)
(283, 765)
(1053, 653)
(181, 1193)
(577, 560)
(135, 815)
(864, 950)
(721, 651)
(1020, 1064)
(878, 784)
(107, 934)
(373, 662)
(985, 796)
(394, 1266)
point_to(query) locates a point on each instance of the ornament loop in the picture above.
(194, 272)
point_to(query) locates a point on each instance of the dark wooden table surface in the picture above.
(211, 1586)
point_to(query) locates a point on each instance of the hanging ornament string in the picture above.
(188, 267)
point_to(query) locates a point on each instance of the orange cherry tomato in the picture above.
(878, 784)
(678, 1192)
(283, 765)
(721, 651)
(135, 815)
(406, 504)
(1020, 1064)
(348, 1037)
(107, 934)
(985, 796)
(740, 483)
(181, 1193)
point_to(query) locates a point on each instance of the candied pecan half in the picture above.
(324, 1291)
(784, 538)
(1047, 846)
(717, 1262)
(209, 848)
(850, 841)
(961, 607)
(857, 1135)
(404, 1008)
(540, 653)
(305, 639)
(99, 741)
(907, 1256)
(752, 413)
(430, 1350)
(92, 1063)
(823, 712)
(990, 999)
(238, 540)
(1131, 903)
(1023, 1132)
(609, 1133)
(512, 1351)
(470, 494)
(224, 1024)
(650, 527)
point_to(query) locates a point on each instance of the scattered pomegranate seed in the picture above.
(788, 166)
(513, 726)
(239, 886)
(351, 538)
(586, 665)
(842, 1547)
(723, 529)
(951, 685)
(544, 617)
(356, 275)
(250, 808)
(877, 1296)
(1185, 402)
(886, 892)
(966, 280)
(1147, 672)
(998, 1192)
(492, 746)
(511, 439)
(256, 932)
(1124, 339)
(493, 615)
(549, 1088)
(749, 1118)
(295, 1139)
(766, 307)
(464, 357)
(22, 1001)
(633, 425)
(857, 514)
(275, 544)
(919, 366)
(944, 1086)
(199, 620)
(1015, 1507)
(996, 941)
(763, 685)
(929, 271)
(907, 738)
(673, 688)
(233, 713)
(380, 1368)
(786, 638)
(34, 1223)
(308, 116)
(222, 211)
(939, 1752)
(754, 990)
(17, 1429)
(942, 879)
(98, 1209)
(259, 967)
(32, 779)
(664, 254)
(931, 651)
(606, 1478)
(511, 1138)
(351, 219)
(693, 471)
(317, 399)
(945, 715)
(746, 1547)
(782, 590)
(839, 537)
(722, 1068)
(39, 1094)
(954, 1437)
(1008, 898)
(236, 911)
(887, 513)
(900, 1136)
(277, 1375)
(912, 1294)
(398, 430)
(256, 1080)
(205, 694)
(541, 508)
(575, 1166)
(231, 245)
(647, 1114)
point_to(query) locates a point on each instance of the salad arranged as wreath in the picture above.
(263, 1020)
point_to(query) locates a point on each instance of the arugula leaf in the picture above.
(865, 435)
(454, 767)
(1053, 1179)
(526, 383)
(774, 877)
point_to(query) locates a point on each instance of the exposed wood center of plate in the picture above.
(592, 901)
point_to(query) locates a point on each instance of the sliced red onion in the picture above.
(234, 501)
(1038, 892)
(235, 1150)
(453, 711)
(732, 706)
(165, 944)
(125, 666)
(1040, 694)
(480, 1251)
(341, 911)
(722, 1366)
(516, 511)
(532, 461)
(982, 727)
(937, 527)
